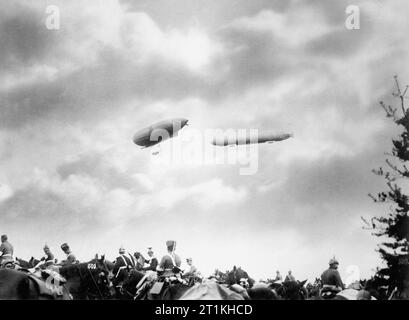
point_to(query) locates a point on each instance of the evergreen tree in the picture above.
(394, 227)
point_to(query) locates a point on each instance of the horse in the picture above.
(238, 276)
(314, 288)
(16, 285)
(128, 289)
(262, 291)
(210, 290)
(290, 290)
(88, 280)
(27, 264)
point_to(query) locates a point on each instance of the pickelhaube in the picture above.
(333, 261)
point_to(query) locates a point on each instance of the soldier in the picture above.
(289, 277)
(331, 278)
(279, 277)
(47, 260)
(6, 251)
(192, 272)
(152, 261)
(70, 256)
(122, 262)
(170, 262)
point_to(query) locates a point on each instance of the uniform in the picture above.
(168, 262)
(153, 263)
(6, 251)
(331, 277)
(122, 262)
(70, 260)
(48, 259)
(191, 272)
(70, 256)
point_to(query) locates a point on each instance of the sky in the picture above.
(71, 99)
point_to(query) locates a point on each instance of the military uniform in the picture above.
(123, 261)
(70, 256)
(331, 277)
(6, 251)
(170, 260)
(153, 264)
(331, 280)
(48, 259)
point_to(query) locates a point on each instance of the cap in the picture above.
(64, 246)
(170, 243)
(122, 249)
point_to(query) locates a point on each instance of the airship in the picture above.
(260, 138)
(159, 132)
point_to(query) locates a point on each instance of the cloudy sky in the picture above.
(71, 100)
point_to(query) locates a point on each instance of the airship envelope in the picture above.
(158, 132)
(248, 139)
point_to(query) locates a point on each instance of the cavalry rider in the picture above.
(331, 278)
(279, 277)
(152, 261)
(123, 262)
(48, 258)
(192, 271)
(170, 262)
(6, 251)
(290, 277)
(70, 256)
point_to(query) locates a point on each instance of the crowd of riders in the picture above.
(168, 266)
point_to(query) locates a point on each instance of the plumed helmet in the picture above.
(333, 261)
(46, 247)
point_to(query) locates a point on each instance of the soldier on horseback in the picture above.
(331, 280)
(192, 274)
(290, 277)
(152, 261)
(47, 260)
(170, 262)
(70, 256)
(279, 277)
(6, 252)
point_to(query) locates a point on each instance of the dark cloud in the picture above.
(340, 44)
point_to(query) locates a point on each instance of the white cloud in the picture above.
(192, 48)
(294, 28)
(5, 192)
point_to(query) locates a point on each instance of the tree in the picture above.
(394, 227)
